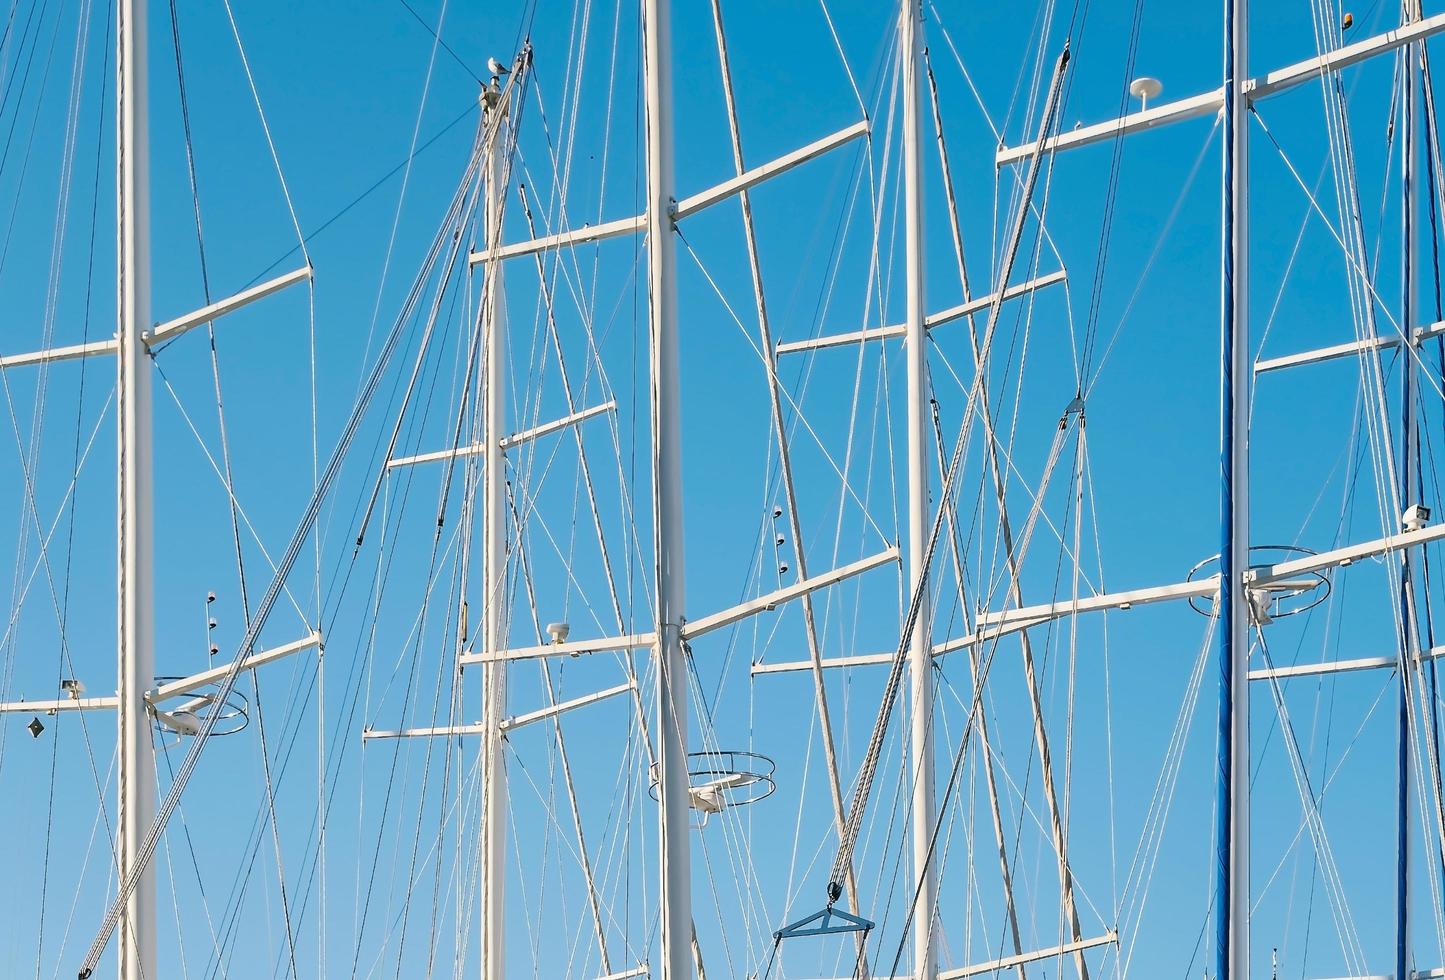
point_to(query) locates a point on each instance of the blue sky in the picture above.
(348, 91)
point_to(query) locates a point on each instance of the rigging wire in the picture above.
(435, 32)
(229, 480)
(863, 785)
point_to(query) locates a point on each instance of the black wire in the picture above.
(445, 47)
(1116, 166)
(30, 141)
(373, 188)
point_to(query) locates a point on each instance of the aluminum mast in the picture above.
(920, 654)
(136, 764)
(494, 572)
(672, 782)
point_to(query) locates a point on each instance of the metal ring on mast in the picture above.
(1274, 600)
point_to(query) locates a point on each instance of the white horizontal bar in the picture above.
(574, 648)
(1429, 974)
(166, 691)
(577, 236)
(937, 319)
(165, 331)
(50, 354)
(687, 206)
(1346, 555)
(751, 178)
(984, 302)
(521, 721)
(1204, 104)
(1008, 962)
(1323, 667)
(197, 681)
(214, 311)
(1338, 666)
(50, 707)
(515, 439)
(536, 432)
(434, 457)
(789, 666)
(1255, 89)
(641, 970)
(1345, 350)
(873, 659)
(1106, 600)
(1274, 576)
(443, 730)
(762, 603)
(1325, 354)
(695, 628)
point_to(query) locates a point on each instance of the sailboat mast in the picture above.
(494, 572)
(1409, 150)
(672, 780)
(1231, 905)
(920, 656)
(136, 779)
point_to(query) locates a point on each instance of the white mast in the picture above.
(136, 762)
(920, 657)
(494, 574)
(672, 782)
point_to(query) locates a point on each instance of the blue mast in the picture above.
(1231, 896)
(1407, 485)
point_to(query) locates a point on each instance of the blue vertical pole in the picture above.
(1408, 496)
(1231, 896)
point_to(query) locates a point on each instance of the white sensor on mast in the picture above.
(1145, 89)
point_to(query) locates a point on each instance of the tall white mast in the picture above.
(1232, 882)
(920, 657)
(494, 573)
(672, 783)
(136, 762)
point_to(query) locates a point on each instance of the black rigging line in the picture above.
(1091, 324)
(371, 189)
(444, 45)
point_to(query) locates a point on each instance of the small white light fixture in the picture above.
(1415, 517)
(558, 632)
